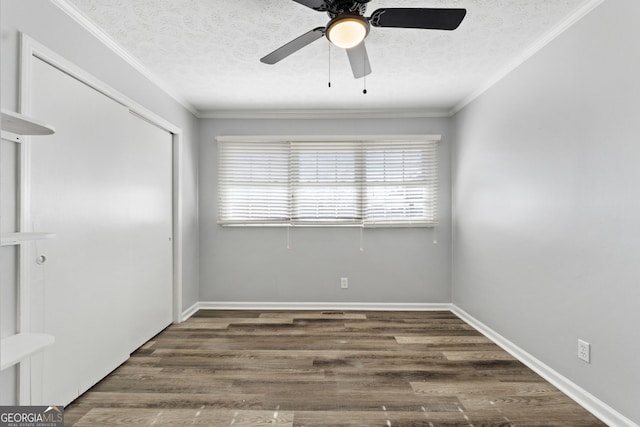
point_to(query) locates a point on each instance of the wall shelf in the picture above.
(17, 347)
(8, 239)
(23, 125)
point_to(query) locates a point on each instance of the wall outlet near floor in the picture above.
(344, 282)
(584, 351)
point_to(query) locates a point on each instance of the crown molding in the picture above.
(547, 38)
(109, 42)
(324, 114)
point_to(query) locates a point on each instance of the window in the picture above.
(253, 183)
(333, 181)
(326, 183)
(400, 183)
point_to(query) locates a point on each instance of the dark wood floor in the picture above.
(250, 368)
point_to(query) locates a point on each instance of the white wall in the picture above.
(50, 26)
(546, 202)
(254, 265)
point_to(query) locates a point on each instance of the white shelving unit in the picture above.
(9, 239)
(18, 347)
(15, 126)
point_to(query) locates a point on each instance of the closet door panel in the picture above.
(91, 186)
(150, 227)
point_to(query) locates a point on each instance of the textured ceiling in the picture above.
(208, 51)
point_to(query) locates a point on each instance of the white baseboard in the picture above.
(190, 311)
(347, 306)
(585, 399)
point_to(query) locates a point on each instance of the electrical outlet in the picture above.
(584, 351)
(344, 282)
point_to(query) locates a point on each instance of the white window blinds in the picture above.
(401, 183)
(328, 182)
(253, 183)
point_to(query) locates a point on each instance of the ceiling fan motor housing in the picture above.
(340, 7)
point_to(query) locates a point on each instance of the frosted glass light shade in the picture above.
(347, 32)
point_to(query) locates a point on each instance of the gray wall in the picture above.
(254, 265)
(546, 201)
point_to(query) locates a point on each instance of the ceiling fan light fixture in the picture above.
(347, 31)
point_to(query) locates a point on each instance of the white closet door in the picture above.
(102, 183)
(150, 227)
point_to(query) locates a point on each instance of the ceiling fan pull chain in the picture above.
(329, 44)
(364, 67)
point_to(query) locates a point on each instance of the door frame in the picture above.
(30, 49)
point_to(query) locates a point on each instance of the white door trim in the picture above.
(30, 49)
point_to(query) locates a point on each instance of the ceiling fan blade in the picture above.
(293, 46)
(359, 61)
(318, 5)
(426, 18)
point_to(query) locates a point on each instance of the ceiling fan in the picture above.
(349, 27)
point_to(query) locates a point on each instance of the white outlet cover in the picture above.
(584, 351)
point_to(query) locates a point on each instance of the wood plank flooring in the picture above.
(252, 368)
